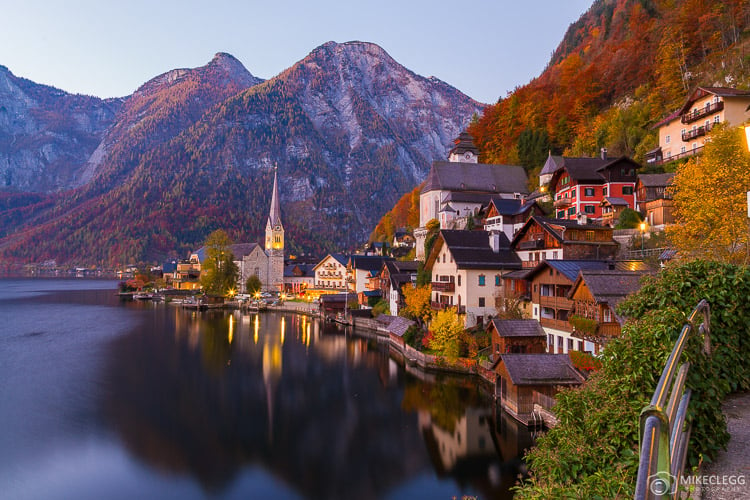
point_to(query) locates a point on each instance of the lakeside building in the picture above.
(655, 199)
(393, 277)
(466, 269)
(683, 132)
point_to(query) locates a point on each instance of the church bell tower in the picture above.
(275, 240)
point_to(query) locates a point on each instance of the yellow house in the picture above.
(683, 133)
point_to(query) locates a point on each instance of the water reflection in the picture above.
(228, 404)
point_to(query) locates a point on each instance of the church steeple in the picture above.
(274, 228)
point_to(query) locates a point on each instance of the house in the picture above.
(612, 207)
(551, 283)
(595, 294)
(542, 238)
(552, 165)
(403, 239)
(466, 269)
(580, 185)
(298, 277)
(518, 336)
(394, 275)
(682, 133)
(655, 199)
(509, 215)
(461, 186)
(361, 268)
(187, 276)
(524, 380)
(330, 274)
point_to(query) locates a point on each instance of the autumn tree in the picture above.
(253, 284)
(417, 304)
(447, 333)
(218, 270)
(710, 200)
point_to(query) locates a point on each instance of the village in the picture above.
(532, 277)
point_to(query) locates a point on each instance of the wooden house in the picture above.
(655, 199)
(517, 336)
(524, 380)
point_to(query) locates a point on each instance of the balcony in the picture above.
(442, 306)
(443, 286)
(563, 202)
(531, 244)
(696, 132)
(697, 114)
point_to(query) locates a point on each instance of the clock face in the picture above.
(278, 228)
(467, 155)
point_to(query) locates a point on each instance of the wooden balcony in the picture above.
(704, 111)
(557, 324)
(531, 244)
(562, 202)
(443, 286)
(441, 306)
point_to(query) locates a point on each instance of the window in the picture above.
(497, 280)
(589, 209)
(604, 191)
(588, 191)
(481, 301)
(716, 119)
(554, 254)
(667, 139)
(573, 194)
(572, 211)
(561, 214)
(682, 149)
(481, 279)
(627, 190)
(590, 236)
(695, 146)
(459, 280)
(550, 341)
(559, 345)
(570, 345)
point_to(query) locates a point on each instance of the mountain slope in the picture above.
(350, 131)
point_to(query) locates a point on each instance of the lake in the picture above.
(102, 398)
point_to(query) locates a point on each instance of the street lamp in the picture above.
(643, 231)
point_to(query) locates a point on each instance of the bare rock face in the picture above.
(191, 150)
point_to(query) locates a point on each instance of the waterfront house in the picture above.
(551, 282)
(298, 277)
(466, 269)
(683, 132)
(460, 186)
(394, 275)
(580, 185)
(524, 380)
(595, 294)
(360, 269)
(330, 274)
(655, 199)
(542, 238)
(517, 336)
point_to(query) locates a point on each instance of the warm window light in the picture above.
(747, 136)
(643, 226)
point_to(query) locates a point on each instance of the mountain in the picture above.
(619, 69)
(193, 150)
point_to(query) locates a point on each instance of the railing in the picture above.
(531, 244)
(696, 132)
(562, 202)
(663, 439)
(443, 286)
(701, 112)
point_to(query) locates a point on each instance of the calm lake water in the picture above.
(107, 399)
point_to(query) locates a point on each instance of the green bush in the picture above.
(593, 451)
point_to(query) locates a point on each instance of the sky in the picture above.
(109, 48)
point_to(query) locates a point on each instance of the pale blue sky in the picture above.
(107, 49)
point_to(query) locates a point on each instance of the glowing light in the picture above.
(283, 327)
(231, 329)
(256, 328)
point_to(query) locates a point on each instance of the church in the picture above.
(265, 262)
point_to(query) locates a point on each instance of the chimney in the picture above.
(495, 241)
(582, 219)
(604, 153)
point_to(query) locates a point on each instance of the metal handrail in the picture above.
(663, 433)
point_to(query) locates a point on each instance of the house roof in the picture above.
(552, 164)
(401, 272)
(299, 270)
(398, 325)
(518, 328)
(667, 119)
(506, 206)
(588, 170)
(656, 180)
(571, 268)
(701, 92)
(464, 197)
(608, 286)
(338, 257)
(370, 263)
(540, 369)
(464, 142)
(239, 250)
(471, 250)
(614, 201)
(477, 177)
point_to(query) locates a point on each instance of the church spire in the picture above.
(274, 217)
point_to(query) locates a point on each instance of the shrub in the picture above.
(593, 451)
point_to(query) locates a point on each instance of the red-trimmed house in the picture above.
(580, 185)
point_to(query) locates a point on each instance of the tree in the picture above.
(629, 219)
(253, 285)
(447, 332)
(417, 304)
(218, 270)
(710, 200)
